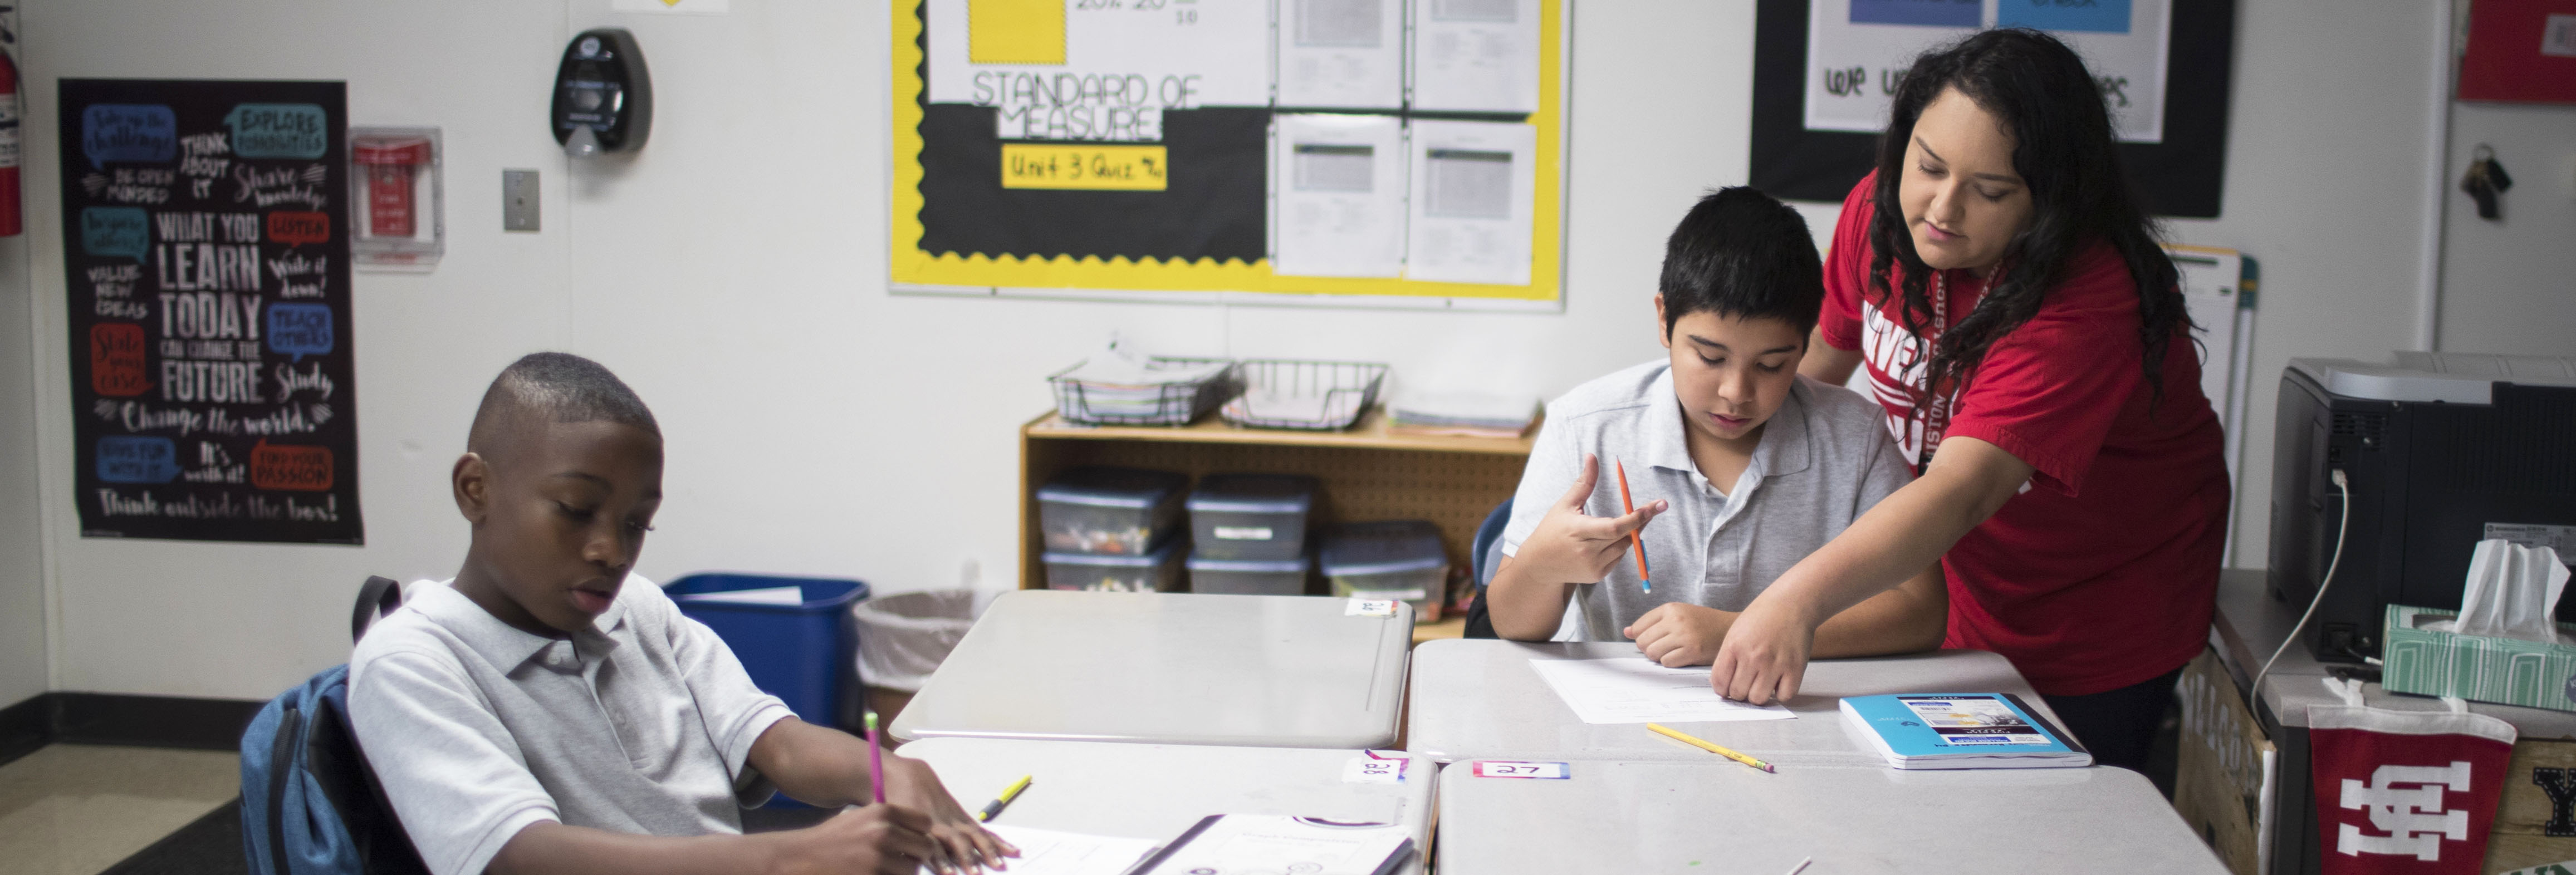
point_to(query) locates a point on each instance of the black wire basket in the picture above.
(1335, 381)
(1173, 404)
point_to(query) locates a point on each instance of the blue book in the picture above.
(1960, 731)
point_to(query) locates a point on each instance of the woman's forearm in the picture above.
(1907, 532)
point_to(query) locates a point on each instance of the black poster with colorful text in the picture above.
(206, 251)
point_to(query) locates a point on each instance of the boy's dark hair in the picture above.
(559, 387)
(1742, 255)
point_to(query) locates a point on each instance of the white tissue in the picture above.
(2511, 591)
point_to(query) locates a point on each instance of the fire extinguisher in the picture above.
(9, 225)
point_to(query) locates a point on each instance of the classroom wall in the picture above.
(733, 272)
(22, 556)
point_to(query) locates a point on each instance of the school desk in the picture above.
(1720, 818)
(1170, 668)
(1480, 698)
(1155, 791)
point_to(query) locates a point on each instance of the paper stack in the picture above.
(1114, 388)
(1462, 413)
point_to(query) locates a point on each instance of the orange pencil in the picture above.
(1628, 506)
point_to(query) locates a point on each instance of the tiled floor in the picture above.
(75, 809)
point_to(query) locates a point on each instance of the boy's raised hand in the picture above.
(1570, 546)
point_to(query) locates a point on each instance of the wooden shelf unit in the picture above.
(1366, 474)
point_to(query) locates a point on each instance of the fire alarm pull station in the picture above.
(397, 223)
(603, 96)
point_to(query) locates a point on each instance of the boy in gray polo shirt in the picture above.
(546, 711)
(1743, 466)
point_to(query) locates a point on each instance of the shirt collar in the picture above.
(500, 643)
(1785, 441)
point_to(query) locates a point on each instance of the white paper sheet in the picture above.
(1048, 852)
(1117, 66)
(775, 595)
(1476, 55)
(1250, 843)
(1473, 189)
(1341, 53)
(1338, 188)
(1633, 690)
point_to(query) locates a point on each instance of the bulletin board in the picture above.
(1365, 152)
(1825, 71)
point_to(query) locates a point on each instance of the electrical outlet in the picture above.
(519, 200)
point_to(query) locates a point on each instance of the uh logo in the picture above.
(2405, 791)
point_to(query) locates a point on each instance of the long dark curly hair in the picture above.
(2044, 97)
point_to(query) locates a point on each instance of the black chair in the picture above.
(1482, 558)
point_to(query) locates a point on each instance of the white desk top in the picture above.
(1479, 699)
(1170, 668)
(2251, 625)
(1720, 817)
(1154, 791)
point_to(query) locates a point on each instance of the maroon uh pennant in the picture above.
(2406, 792)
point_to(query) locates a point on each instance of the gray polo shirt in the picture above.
(1824, 458)
(639, 724)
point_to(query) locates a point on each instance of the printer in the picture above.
(2439, 451)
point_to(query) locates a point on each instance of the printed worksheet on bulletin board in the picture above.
(206, 262)
(1406, 151)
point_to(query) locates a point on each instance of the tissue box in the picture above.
(2506, 671)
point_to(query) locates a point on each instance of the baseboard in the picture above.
(118, 718)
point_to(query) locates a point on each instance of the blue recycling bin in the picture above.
(803, 651)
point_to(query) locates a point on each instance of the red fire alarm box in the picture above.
(396, 211)
(2520, 51)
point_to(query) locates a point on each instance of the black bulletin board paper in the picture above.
(206, 259)
(2182, 176)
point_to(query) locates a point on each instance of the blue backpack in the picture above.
(309, 804)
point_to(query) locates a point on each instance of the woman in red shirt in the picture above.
(2026, 336)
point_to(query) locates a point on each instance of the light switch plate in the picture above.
(519, 200)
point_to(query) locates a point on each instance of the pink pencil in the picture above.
(876, 759)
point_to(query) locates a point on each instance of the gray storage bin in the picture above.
(1249, 576)
(1118, 511)
(1251, 516)
(1159, 571)
(1397, 559)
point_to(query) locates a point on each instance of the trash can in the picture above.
(903, 637)
(794, 636)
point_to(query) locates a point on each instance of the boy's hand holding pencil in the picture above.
(1571, 546)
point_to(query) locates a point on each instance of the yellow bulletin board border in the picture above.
(1207, 280)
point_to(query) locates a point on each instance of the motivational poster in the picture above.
(206, 259)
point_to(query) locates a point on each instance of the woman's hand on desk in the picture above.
(1764, 655)
(1570, 546)
(1676, 634)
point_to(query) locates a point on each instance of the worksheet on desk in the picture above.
(1048, 852)
(1635, 690)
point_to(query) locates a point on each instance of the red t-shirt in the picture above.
(2103, 572)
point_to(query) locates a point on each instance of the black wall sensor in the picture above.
(603, 96)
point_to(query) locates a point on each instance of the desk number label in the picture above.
(1374, 770)
(1370, 608)
(1504, 769)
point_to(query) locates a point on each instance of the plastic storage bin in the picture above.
(801, 647)
(1159, 571)
(1397, 559)
(1118, 511)
(1250, 516)
(1249, 576)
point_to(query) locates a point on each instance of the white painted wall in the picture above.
(22, 556)
(734, 273)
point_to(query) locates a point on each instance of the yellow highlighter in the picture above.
(1009, 793)
(1684, 738)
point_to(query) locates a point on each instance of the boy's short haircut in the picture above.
(1742, 255)
(563, 388)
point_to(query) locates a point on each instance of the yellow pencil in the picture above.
(1675, 735)
(1008, 794)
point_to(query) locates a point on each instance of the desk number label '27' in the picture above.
(1507, 769)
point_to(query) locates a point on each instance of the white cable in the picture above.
(2342, 528)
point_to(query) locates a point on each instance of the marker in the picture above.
(1008, 793)
(1645, 578)
(1669, 732)
(876, 759)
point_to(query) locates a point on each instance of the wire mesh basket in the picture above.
(1327, 396)
(1173, 404)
